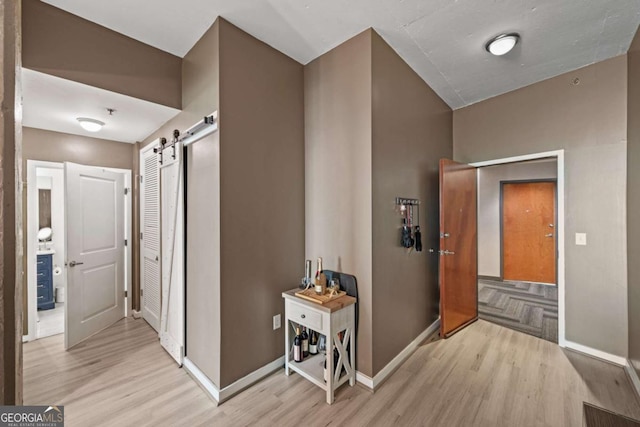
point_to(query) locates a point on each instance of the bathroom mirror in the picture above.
(44, 207)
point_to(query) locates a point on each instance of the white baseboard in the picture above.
(598, 354)
(201, 379)
(374, 382)
(232, 389)
(136, 314)
(633, 376)
(365, 380)
(371, 383)
(250, 379)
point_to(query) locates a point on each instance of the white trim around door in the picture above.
(32, 232)
(559, 155)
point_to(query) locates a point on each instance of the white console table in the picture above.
(328, 319)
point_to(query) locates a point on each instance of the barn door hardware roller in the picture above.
(164, 145)
(160, 149)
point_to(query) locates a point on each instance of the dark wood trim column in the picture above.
(11, 244)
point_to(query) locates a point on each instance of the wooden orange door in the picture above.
(528, 231)
(458, 247)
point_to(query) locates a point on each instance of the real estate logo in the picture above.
(31, 416)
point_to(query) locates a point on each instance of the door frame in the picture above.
(32, 232)
(555, 219)
(560, 212)
(141, 153)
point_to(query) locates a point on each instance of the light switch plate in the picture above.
(276, 322)
(581, 239)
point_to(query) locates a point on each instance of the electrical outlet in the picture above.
(581, 239)
(276, 322)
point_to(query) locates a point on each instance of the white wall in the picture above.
(489, 179)
(54, 179)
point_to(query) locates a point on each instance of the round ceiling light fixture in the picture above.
(499, 45)
(90, 125)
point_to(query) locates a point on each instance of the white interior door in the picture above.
(150, 236)
(172, 232)
(94, 250)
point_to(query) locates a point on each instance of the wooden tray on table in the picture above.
(310, 295)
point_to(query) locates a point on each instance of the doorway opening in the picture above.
(521, 244)
(47, 211)
(68, 204)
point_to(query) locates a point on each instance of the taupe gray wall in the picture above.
(588, 121)
(261, 197)
(52, 146)
(489, 228)
(245, 199)
(11, 252)
(65, 45)
(200, 96)
(633, 200)
(338, 175)
(411, 131)
(374, 131)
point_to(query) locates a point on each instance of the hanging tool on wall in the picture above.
(417, 235)
(409, 238)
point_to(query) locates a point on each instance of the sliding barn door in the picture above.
(172, 198)
(150, 236)
(458, 246)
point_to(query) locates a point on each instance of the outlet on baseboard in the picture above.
(276, 322)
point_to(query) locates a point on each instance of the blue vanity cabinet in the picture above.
(45, 282)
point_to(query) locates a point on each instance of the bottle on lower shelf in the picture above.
(336, 355)
(305, 342)
(313, 343)
(298, 356)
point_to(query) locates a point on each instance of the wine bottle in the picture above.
(319, 270)
(319, 278)
(336, 356)
(313, 343)
(326, 374)
(297, 347)
(305, 342)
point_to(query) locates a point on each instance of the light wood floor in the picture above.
(485, 375)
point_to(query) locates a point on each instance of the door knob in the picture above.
(548, 235)
(446, 252)
(73, 263)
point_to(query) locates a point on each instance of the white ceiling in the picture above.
(54, 104)
(443, 40)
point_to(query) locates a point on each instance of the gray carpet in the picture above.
(531, 308)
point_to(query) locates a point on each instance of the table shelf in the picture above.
(335, 320)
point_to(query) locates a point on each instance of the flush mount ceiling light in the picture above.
(91, 125)
(499, 45)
